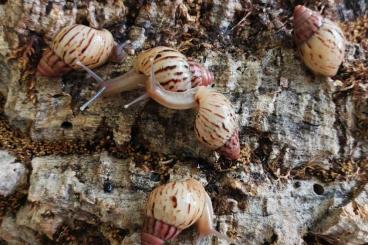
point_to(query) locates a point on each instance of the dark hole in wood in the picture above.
(155, 177)
(318, 189)
(297, 185)
(67, 125)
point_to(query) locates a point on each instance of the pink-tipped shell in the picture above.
(231, 149)
(155, 232)
(73, 43)
(216, 119)
(178, 203)
(51, 65)
(201, 76)
(306, 23)
(321, 43)
(90, 46)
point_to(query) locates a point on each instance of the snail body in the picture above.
(74, 43)
(174, 207)
(320, 41)
(171, 68)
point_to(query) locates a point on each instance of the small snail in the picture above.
(320, 42)
(87, 45)
(216, 124)
(173, 71)
(174, 207)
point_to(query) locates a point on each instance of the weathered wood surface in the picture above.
(302, 174)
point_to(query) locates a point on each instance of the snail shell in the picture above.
(171, 67)
(201, 76)
(320, 42)
(90, 46)
(179, 203)
(216, 124)
(174, 207)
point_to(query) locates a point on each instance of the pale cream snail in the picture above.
(76, 44)
(173, 71)
(174, 207)
(320, 42)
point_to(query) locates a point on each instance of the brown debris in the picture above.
(341, 171)
(356, 31)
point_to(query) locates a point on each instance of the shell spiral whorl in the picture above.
(201, 76)
(90, 46)
(306, 23)
(156, 232)
(320, 42)
(51, 65)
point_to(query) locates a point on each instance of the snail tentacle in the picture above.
(112, 86)
(140, 98)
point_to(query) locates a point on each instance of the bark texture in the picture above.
(75, 177)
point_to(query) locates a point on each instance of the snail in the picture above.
(174, 72)
(216, 124)
(174, 207)
(74, 43)
(320, 41)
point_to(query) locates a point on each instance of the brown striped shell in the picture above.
(172, 208)
(178, 203)
(90, 46)
(216, 124)
(171, 67)
(320, 42)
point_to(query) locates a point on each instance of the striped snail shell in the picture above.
(216, 124)
(320, 42)
(171, 67)
(174, 207)
(73, 43)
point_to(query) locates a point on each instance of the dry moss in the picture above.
(339, 171)
(357, 31)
